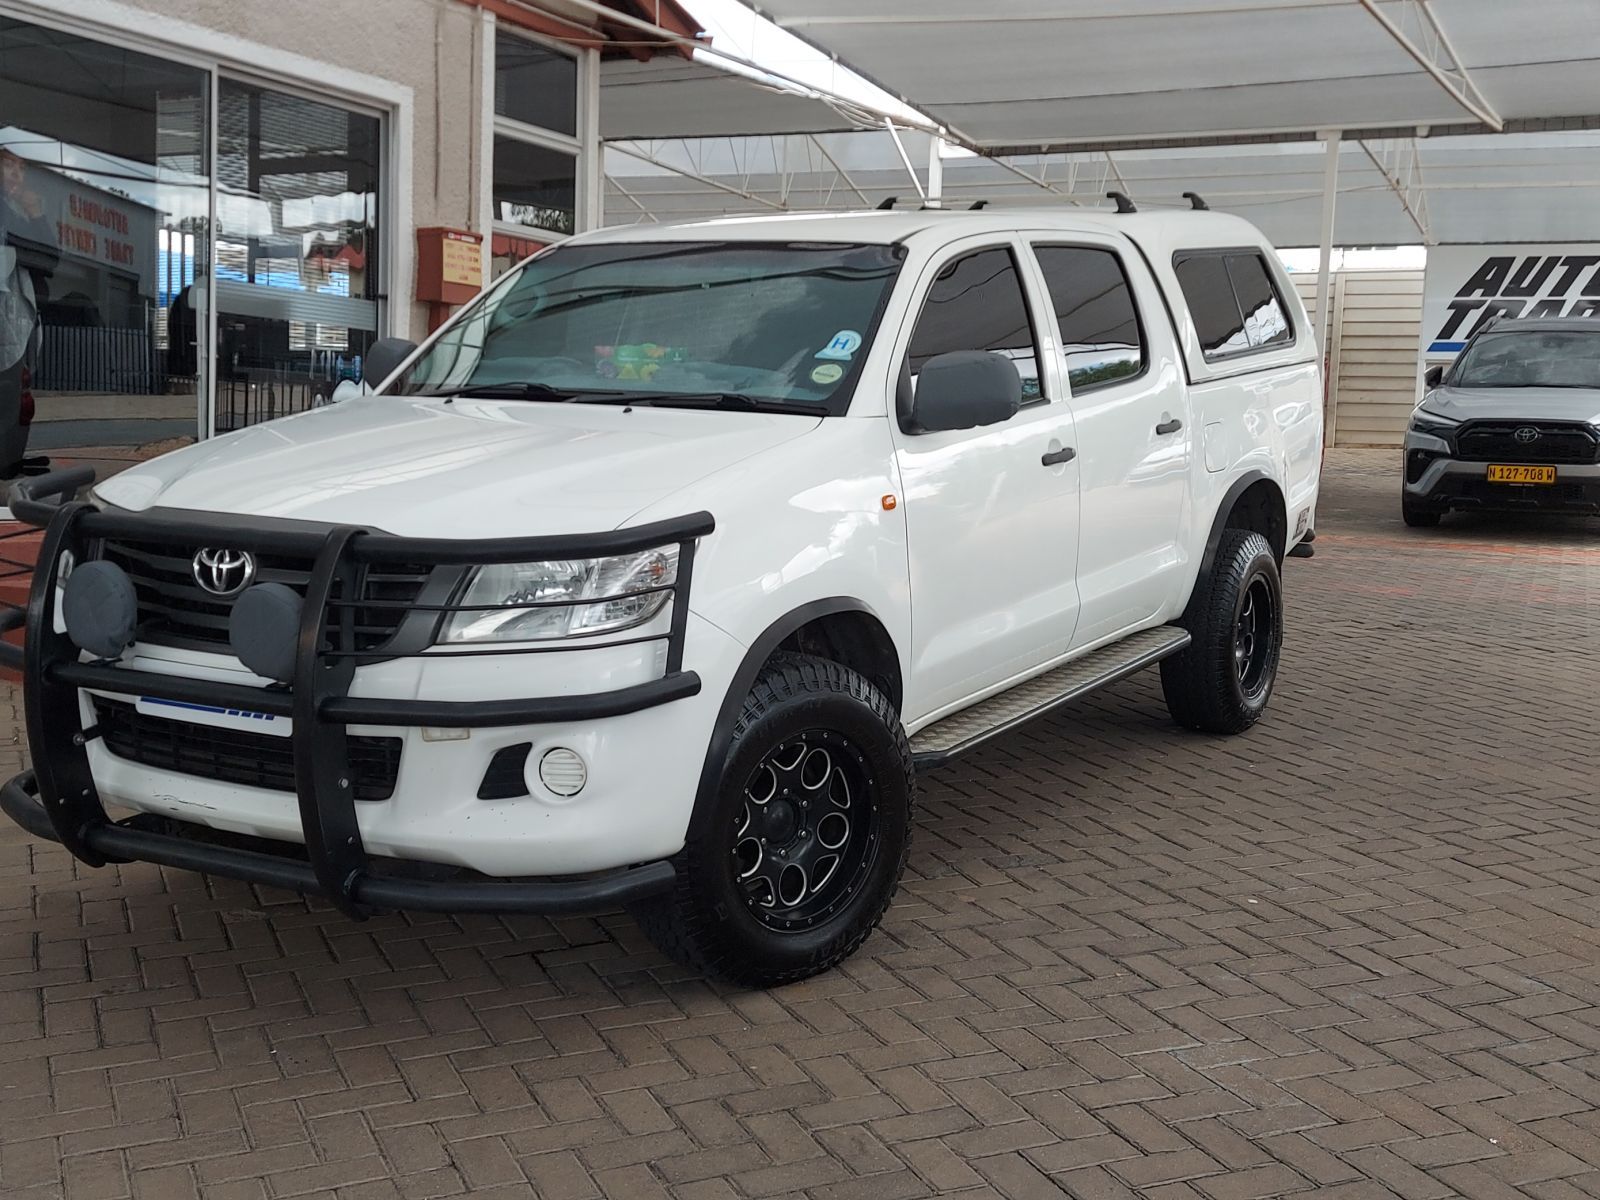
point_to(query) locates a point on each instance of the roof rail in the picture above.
(1195, 202)
(1124, 205)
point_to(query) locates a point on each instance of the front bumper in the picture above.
(1436, 481)
(166, 843)
(320, 831)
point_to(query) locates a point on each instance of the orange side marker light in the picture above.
(888, 503)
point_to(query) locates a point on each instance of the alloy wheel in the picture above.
(806, 832)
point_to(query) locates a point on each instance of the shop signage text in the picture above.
(1467, 285)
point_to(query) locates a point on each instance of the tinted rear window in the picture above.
(1264, 322)
(1209, 294)
(1234, 303)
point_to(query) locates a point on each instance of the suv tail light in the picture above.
(25, 410)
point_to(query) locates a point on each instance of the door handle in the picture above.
(1056, 457)
(1167, 427)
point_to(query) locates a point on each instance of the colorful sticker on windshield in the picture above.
(842, 346)
(827, 373)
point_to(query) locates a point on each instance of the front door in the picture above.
(993, 528)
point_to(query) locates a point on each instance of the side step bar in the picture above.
(961, 731)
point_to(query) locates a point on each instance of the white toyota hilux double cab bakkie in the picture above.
(657, 573)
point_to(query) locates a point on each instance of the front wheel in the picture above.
(1221, 682)
(794, 860)
(1417, 517)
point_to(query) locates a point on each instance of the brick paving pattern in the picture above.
(1353, 954)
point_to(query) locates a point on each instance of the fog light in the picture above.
(99, 609)
(563, 771)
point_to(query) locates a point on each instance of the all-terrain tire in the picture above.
(1221, 682)
(715, 920)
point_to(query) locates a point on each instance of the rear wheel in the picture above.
(1221, 682)
(793, 862)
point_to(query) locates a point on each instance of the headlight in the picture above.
(538, 601)
(1424, 421)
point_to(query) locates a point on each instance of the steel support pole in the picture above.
(1330, 194)
(935, 172)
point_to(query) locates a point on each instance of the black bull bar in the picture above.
(58, 799)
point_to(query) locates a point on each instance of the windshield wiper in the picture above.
(734, 401)
(514, 391)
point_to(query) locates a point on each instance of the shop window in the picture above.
(104, 196)
(535, 85)
(534, 175)
(299, 184)
(534, 186)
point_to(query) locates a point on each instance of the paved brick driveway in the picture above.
(1353, 954)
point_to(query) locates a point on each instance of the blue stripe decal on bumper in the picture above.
(208, 708)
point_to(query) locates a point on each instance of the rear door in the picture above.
(1130, 405)
(992, 512)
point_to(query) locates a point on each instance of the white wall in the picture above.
(1374, 362)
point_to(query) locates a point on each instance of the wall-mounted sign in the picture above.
(449, 265)
(1466, 285)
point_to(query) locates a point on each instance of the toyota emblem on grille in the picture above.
(1526, 434)
(223, 573)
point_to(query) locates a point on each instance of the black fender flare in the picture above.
(1219, 522)
(744, 678)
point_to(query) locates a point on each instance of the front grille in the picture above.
(235, 755)
(175, 611)
(1483, 441)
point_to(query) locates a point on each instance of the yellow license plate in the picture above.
(1508, 474)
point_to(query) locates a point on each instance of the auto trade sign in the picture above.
(1466, 285)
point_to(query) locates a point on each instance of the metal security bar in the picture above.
(59, 800)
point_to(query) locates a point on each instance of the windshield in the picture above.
(1565, 358)
(779, 323)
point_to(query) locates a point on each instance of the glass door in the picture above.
(297, 248)
(104, 250)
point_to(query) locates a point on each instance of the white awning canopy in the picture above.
(1020, 76)
(671, 96)
(1530, 187)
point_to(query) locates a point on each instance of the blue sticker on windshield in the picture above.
(841, 346)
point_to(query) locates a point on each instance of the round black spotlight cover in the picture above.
(265, 628)
(100, 608)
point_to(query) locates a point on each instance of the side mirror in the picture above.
(348, 389)
(1433, 376)
(385, 355)
(964, 390)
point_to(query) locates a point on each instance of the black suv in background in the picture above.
(1513, 423)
